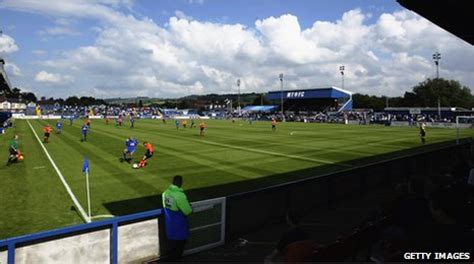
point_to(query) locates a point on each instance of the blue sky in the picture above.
(172, 48)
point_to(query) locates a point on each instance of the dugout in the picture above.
(330, 99)
(260, 108)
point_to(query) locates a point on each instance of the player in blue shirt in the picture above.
(59, 127)
(130, 147)
(84, 130)
(177, 124)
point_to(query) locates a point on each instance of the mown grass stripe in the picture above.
(68, 189)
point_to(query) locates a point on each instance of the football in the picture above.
(135, 166)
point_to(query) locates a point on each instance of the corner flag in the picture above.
(85, 170)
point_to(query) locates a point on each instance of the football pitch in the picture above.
(230, 158)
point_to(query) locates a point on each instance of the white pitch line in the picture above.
(68, 189)
(102, 216)
(277, 154)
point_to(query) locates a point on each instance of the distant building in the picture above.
(12, 105)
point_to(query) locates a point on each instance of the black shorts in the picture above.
(148, 154)
(46, 135)
(422, 133)
(273, 126)
(202, 128)
(13, 152)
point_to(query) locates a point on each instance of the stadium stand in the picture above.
(4, 81)
(450, 15)
(314, 100)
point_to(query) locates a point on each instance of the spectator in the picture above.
(470, 180)
(295, 245)
(390, 246)
(176, 209)
(446, 233)
(411, 210)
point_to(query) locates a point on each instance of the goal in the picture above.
(463, 122)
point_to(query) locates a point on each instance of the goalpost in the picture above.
(467, 124)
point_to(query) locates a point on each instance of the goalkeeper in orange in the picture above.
(148, 154)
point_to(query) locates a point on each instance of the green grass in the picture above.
(230, 158)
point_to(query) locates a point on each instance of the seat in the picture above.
(339, 250)
(299, 251)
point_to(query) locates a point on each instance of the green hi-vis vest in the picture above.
(174, 199)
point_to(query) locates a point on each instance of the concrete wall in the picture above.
(138, 241)
(3, 257)
(91, 247)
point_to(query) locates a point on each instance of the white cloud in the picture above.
(38, 52)
(13, 70)
(7, 44)
(58, 31)
(53, 78)
(199, 2)
(62, 27)
(181, 15)
(135, 56)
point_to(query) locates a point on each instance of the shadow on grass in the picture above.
(152, 202)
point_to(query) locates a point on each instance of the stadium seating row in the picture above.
(359, 244)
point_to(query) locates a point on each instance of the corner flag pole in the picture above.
(85, 169)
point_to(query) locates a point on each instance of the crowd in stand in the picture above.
(428, 215)
(361, 118)
(422, 221)
(100, 110)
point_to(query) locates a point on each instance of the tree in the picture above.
(73, 100)
(86, 101)
(30, 97)
(450, 93)
(260, 100)
(410, 99)
(367, 101)
(14, 93)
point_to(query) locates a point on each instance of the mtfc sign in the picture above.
(294, 94)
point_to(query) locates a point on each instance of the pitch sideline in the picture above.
(61, 177)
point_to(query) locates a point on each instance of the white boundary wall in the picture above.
(23, 116)
(3, 257)
(138, 241)
(91, 247)
(431, 124)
